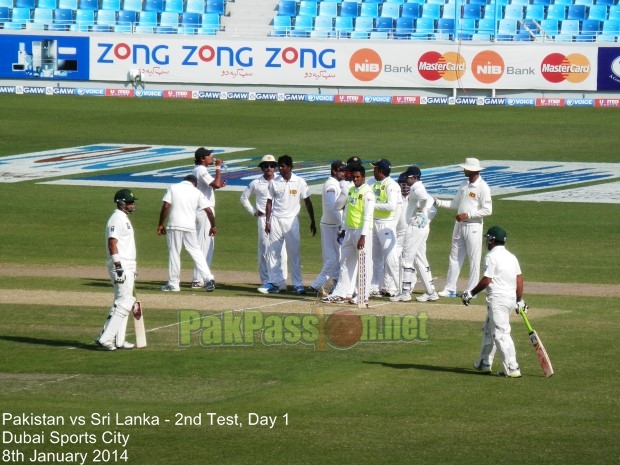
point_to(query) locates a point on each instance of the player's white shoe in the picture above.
(401, 297)
(107, 345)
(126, 345)
(447, 293)
(169, 288)
(427, 297)
(482, 367)
(516, 373)
(198, 284)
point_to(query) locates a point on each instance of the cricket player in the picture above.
(177, 221)
(207, 184)
(473, 203)
(503, 282)
(121, 264)
(284, 197)
(384, 251)
(358, 223)
(331, 226)
(258, 189)
(420, 212)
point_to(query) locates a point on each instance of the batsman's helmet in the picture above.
(124, 195)
(496, 234)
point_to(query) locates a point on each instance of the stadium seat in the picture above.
(323, 26)
(6, 4)
(211, 24)
(287, 8)
(466, 26)
(68, 4)
(172, 6)
(49, 4)
(25, 4)
(583, 2)
(390, 10)
(84, 19)
(384, 23)
(343, 27)
(568, 30)
(5, 15)
(63, 18)
(328, 9)
(576, 12)
(302, 26)
(452, 9)
(614, 12)
(486, 26)
(557, 12)
(520, 2)
(605, 2)
(536, 12)
(126, 21)
(114, 5)
(154, 5)
(400, 2)
(411, 10)
(105, 21)
(597, 12)
(370, 9)
(282, 25)
(590, 28)
(542, 2)
(513, 11)
(19, 17)
(195, 6)
(190, 22)
(445, 29)
(133, 5)
(168, 23)
(549, 28)
(216, 6)
(308, 8)
(431, 10)
(424, 29)
(610, 31)
(147, 22)
(40, 19)
(530, 26)
(403, 28)
(472, 11)
(506, 29)
(349, 9)
(364, 24)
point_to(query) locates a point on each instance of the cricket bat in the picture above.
(138, 322)
(361, 278)
(541, 353)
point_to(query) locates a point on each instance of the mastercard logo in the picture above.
(488, 67)
(365, 65)
(433, 66)
(558, 67)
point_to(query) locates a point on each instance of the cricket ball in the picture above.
(344, 328)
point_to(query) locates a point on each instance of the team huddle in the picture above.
(373, 237)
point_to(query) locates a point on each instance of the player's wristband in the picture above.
(217, 168)
(116, 258)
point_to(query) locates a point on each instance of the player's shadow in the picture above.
(49, 342)
(418, 366)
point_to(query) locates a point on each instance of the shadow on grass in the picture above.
(49, 342)
(417, 366)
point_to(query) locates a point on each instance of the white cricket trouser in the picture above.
(384, 256)
(263, 246)
(348, 264)
(414, 255)
(284, 233)
(178, 239)
(496, 334)
(206, 243)
(115, 326)
(331, 255)
(466, 241)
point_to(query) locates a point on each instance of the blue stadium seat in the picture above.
(536, 12)
(513, 11)
(147, 22)
(568, 30)
(583, 2)
(323, 26)
(390, 10)
(6, 4)
(557, 12)
(472, 11)
(308, 8)
(486, 26)
(114, 5)
(172, 6)
(370, 9)
(328, 9)
(195, 6)
(464, 26)
(303, 26)
(49, 4)
(68, 4)
(520, 2)
(383, 23)
(89, 5)
(41, 17)
(431, 10)
(597, 12)
(404, 27)
(216, 6)
(154, 5)
(446, 29)
(25, 4)
(168, 22)
(610, 31)
(530, 27)
(19, 17)
(605, 2)
(105, 21)
(364, 24)
(411, 10)
(343, 27)
(614, 12)
(576, 12)
(452, 9)
(506, 29)
(190, 22)
(550, 27)
(63, 19)
(400, 2)
(424, 29)
(282, 25)
(590, 28)
(211, 24)
(5, 15)
(133, 5)
(562, 2)
(542, 2)
(287, 8)
(349, 9)
(84, 19)
(478, 2)
(126, 21)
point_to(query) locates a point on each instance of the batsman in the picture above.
(121, 264)
(504, 284)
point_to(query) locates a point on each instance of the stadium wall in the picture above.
(376, 71)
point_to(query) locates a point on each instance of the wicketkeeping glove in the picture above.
(120, 275)
(521, 306)
(466, 297)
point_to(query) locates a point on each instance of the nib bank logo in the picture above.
(365, 65)
(433, 66)
(487, 67)
(557, 68)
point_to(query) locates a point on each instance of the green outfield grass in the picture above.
(398, 403)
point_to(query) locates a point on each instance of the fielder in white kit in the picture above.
(282, 224)
(472, 202)
(177, 221)
(258, 188)
(503, 282)
(207, 184)
(121, 264)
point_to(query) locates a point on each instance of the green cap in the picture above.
(124, 195)
(497, 234)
